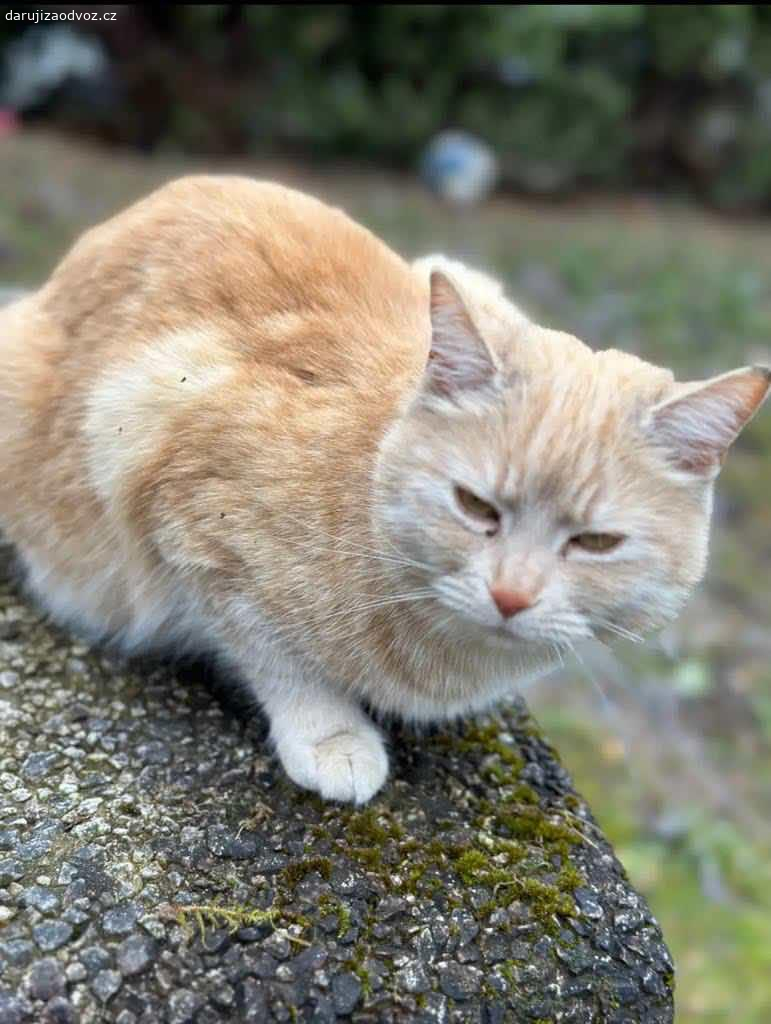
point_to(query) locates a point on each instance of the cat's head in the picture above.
(548, 492)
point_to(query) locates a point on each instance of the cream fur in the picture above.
(234, 420)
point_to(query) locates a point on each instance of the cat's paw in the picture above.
(350, 765)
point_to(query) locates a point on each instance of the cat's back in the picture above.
(172, 339)
(209, 280)
(259, 264)
(213, 289)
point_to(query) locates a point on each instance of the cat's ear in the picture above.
(697, 425)
(459, 360)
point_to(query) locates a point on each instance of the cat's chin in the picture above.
(500, 640)
(501, 637)
(496, 639)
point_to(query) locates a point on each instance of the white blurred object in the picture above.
(43, 59)
(459, 167)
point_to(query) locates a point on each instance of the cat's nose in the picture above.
(510, 602)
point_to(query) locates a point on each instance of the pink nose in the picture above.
(510, 602)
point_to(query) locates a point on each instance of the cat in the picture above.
(234, 420)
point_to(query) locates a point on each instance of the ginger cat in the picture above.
(234, 420)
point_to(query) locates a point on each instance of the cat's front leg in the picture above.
(323, 739)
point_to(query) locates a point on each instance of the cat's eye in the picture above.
(479, 509)
(596, 543)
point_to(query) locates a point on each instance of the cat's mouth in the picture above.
(507, 637)
(500, 634)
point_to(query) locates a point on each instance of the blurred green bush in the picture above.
(569, 95)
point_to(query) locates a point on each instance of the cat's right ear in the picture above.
(459, 360)
(696, 426)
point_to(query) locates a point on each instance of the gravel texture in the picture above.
(156, 866)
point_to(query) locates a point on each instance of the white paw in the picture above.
(350, 765)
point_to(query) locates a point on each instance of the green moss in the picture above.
(372, 825)
(506, 834)
(508, 971)
(488, 992)
(532, 826)
(329, 905)
(475, 868)
(414, 875)
(294, 873)
(212, 916)
(488, 738)
(320, 832)
(486, 908)
(234, 916)
(544, 900)
(436, 849)
(570, 878)
(370, 857)
(523, 794)
(495, 772)
(362, 974)
(410, 845)
(516, 841)
(365, 825)
(357, 966)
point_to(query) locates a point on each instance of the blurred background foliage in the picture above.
(569, 96)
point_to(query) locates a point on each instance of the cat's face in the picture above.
(549, 493)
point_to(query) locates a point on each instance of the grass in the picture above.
(677, 286)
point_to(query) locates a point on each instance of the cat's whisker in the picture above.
(440, 624)
(379, 602)
(576, 654)
(355, 547)
(348, 613)
(621, 631)
(358, 553)
(398, 553)
(557, 651)
(626, 634)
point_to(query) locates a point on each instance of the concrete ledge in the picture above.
(155, 865)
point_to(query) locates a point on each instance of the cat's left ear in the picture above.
(459, 359)
(700, 422)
